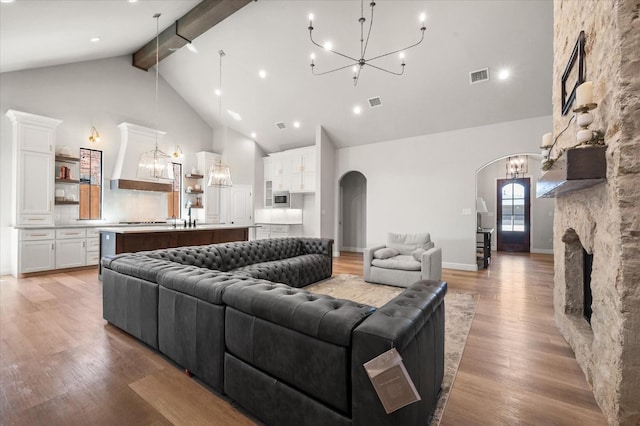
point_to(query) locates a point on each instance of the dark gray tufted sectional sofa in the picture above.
(231, 314)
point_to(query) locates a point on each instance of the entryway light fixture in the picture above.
(156, 164)
(95, 136)
(516, 166)
(358, 63)
(219, 173)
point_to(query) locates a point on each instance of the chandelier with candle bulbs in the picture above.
(357, 64)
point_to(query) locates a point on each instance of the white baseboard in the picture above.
(542, 251)
(336, 253)
(460, 266)
(355, 249)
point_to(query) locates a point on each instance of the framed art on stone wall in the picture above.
(573, 75)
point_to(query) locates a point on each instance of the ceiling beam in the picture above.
(194, 23)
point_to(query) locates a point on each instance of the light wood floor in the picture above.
(60, 364)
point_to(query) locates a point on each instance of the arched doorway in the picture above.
(352, 224)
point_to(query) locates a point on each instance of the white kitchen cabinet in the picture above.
(282, 183)
(71, 247)
(70, 253)
(266, 231)
(93, 247)
(303, 182)
(35, 250)
(267, 167)
(281, 164)
(33, 162)
(302, 159)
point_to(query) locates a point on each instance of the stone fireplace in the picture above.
(602, 221)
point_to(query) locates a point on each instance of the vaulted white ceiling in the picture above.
(434, 94)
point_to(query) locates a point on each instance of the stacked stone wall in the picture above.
(606, 218)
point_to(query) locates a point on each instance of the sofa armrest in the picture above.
(367, 258)
(317, 246)
(413, 323)
(432, 264)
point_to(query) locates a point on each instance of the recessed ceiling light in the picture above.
(7, 1)
(235, 115)
(262, 74)
(296, 124)
(357, 110)
(328, 45)
(503, 74)
(253, 135)
(218, 92)
(94, 39)
(133, 1)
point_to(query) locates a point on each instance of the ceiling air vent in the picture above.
(375, 102)
(479, 76)
(280, 125)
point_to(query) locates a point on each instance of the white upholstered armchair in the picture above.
(405, 259)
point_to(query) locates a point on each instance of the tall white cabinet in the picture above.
(34, 139)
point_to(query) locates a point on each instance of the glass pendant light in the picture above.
(219, 173)
(155, 164)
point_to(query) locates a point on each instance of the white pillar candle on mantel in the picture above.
(546, 139)
(584, 93)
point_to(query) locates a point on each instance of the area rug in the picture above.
(460, 308)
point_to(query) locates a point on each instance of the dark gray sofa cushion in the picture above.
(297, 271)
(239, 254)
(200, 283)
(140, 266)
(315, 315)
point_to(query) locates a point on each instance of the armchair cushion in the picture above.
(406, 243)
(385, 253)
(404, 262)
(417, 254)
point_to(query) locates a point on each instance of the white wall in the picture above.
(326, 183)
(541, 208)
(428, 183)
(103, 93)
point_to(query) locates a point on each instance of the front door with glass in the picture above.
(514, 211)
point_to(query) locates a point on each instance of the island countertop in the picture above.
(169, 228)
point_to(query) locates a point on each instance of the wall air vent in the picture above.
(479, 76)
(375, 102)
(280, 125)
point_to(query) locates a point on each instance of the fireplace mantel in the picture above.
(580, 168)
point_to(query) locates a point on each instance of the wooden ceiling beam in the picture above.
(192, 24)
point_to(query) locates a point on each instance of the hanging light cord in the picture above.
(157, 16)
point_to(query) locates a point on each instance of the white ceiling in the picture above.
(434, 94)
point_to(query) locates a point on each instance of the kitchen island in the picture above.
(118, 240)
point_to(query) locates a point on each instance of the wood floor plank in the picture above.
(184, 402)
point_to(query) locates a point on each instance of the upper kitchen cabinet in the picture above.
(281, 164)
(302, 160)
(34, 139)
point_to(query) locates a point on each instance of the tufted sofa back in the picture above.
(243, 253)
(200, 256)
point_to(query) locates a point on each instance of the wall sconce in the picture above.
(584, 102)
(95, 136)
(177, 152)
(517, 166)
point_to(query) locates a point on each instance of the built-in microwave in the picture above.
(281, 199)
